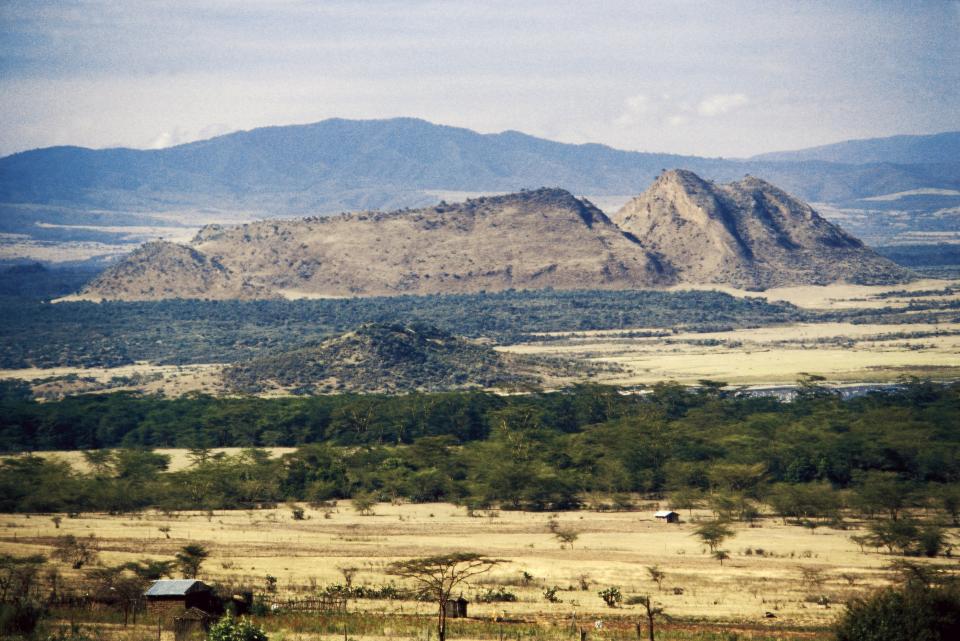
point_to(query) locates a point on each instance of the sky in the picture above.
(725, 78)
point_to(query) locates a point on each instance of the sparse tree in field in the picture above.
(566, 536)
(297, 512)
(685, 499)
(652, 612)
(812, 577)
(900, 535)
(78, 552)
(348, 573)
(165, 529)
(713, 534)
(56, 521)
(364, 503)
(657, 576)
(150, 569)
(438, 576)
(553, 523)
(190, 558)
(721, 555)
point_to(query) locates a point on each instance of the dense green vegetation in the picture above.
(388, 358)
(880, 453)
(39, 334)
(35, 281)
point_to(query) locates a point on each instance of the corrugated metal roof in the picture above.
(174, 587)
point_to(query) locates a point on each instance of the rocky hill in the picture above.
(748, 234)
(682, 230)
(529, 240)
(388, 358)
(160, 270)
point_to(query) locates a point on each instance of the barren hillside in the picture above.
(529, 240)
(748, 234)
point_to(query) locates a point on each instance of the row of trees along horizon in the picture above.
(812, 459)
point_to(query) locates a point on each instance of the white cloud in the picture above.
(162, 141)
(721, 103)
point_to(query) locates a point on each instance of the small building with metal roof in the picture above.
(168, 598)
(667, 516)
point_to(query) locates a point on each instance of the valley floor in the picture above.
(868, 335)
(799, 576)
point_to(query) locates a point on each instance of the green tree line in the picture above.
(881, 453)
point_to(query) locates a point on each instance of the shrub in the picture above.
(230, 629)
(909, 613)
(611, 596)
(19, 617)
(498, 595)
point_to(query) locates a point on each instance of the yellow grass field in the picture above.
(613, 548)
(843, 352)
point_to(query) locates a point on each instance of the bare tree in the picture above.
(348, 573)
(437, 576)
(652, 613)
(657, 575)
(76, 552)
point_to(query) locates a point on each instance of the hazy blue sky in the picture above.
(715, 78)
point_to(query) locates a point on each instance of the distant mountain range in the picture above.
(682, 230)
(904, 150)
(338, 165)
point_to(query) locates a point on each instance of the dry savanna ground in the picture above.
(843, 352)
(774, 568)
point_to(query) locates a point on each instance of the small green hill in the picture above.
(389, 358)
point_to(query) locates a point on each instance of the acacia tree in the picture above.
(437, 576)
(190, 558)
(566, 536)
(713, 534)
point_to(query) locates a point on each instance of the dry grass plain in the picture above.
(842, 352)
(613, 548)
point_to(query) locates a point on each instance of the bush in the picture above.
(611, 596)
(19, 618)
(498, 595)
(230, 629)
(909, 613)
